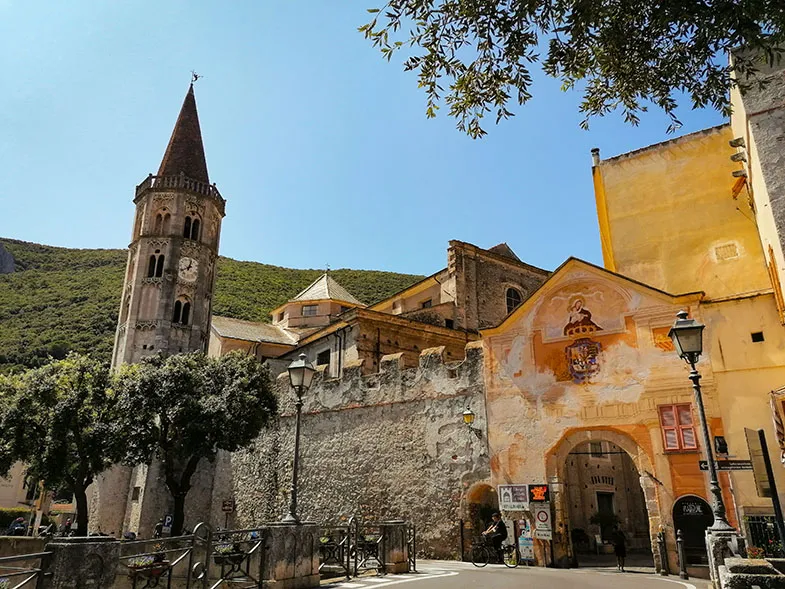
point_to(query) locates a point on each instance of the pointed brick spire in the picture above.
(185, 152)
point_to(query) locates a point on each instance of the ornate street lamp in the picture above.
(468, 419)
(300, 376)
(687, 336)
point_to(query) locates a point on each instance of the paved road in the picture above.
(458, 575)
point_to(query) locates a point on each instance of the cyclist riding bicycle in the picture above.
(496, 533)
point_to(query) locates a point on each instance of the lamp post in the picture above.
(687, 336)
(300, 376)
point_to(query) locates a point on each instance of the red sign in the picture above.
(539, 494)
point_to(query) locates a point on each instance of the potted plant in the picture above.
(148, 565)
(755, 552)
(228, 553)
(5, 583)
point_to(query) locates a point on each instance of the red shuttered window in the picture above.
(678, 429)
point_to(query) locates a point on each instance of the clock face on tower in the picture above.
(188, 269)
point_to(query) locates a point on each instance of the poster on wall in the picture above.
(513, 498)
(526, 547)
(542, 521)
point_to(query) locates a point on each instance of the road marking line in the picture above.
(687, 585)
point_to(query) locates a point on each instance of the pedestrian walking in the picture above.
(158, 531)
(619, 541)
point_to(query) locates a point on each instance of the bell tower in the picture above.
(170, 274)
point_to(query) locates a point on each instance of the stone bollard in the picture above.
(395, 549)
(82, 563)
(292, 556)
(680, 551)
(665, 568)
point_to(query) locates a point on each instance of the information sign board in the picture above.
(227, 506)
(727, 464)
(513, 498)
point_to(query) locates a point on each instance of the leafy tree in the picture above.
(186, 407)
(623, 53)
(58, 419)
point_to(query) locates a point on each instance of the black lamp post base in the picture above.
(290, 518)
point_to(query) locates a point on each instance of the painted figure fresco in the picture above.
(579, 318)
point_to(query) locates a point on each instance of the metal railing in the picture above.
(240, 554)
(335, 548)
(24, 571)
(411, 546)
(148, 563)
(368, 547)
(763, 534)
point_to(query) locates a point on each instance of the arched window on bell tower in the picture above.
(191, 227)
(155, 267)
(182, 311)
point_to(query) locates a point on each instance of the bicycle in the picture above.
(484, 552)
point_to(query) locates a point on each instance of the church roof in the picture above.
(252, 331)
(185, 152)
(504, 250)
(325, 287)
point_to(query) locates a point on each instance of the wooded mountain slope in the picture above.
(62, 299)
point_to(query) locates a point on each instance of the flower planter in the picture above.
(229, 558)
(153, 569)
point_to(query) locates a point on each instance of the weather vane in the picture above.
(195, 76)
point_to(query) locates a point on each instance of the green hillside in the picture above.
(63, 299)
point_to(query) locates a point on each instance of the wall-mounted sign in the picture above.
(542, 521)
(727, 464)
(227, 506)
(539, 494)
(513, 498)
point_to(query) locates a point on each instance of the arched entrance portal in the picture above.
(479, 503)
(692, 515)
(602, 479)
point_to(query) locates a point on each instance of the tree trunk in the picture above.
(80, 493)
(178, 517)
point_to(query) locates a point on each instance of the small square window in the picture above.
(310, 310)
(323, 358)
(426, 304)
(135, 493)
(280, 317)
(449, 323)
(596, 450)
(757, 336)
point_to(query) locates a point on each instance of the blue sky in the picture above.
(320, 147)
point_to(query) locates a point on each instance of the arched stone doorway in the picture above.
(692, 515)
(603, 493)
(479, 503)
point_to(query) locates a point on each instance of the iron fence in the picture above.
(154, 562)
(368, 547)
(763, 534)
(411, 546)
(240, 554)
(24, 571)
(335, 548)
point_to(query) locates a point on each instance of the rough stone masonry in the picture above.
(386, 445)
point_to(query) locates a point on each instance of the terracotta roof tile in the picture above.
(325, 287)
(252, 331)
